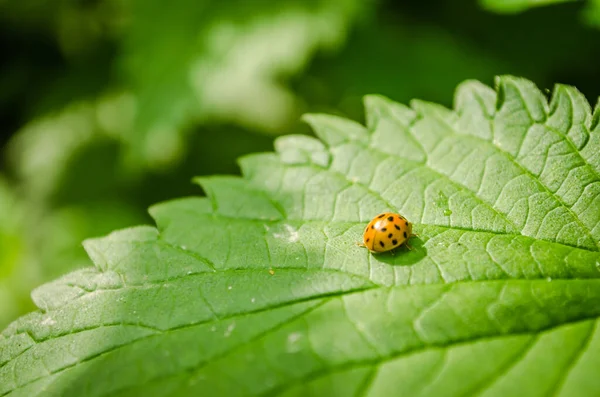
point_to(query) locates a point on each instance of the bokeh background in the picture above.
(109, 106)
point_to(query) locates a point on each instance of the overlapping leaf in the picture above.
(259, 289)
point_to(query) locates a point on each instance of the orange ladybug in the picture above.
(387, 231)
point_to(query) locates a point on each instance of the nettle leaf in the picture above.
(260, 289)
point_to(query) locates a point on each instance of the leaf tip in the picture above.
(595, 116)
(334, 130)
(500, 84)
(302, 149)
(374, 108)
(97, 247)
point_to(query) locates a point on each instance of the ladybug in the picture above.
(387, 231)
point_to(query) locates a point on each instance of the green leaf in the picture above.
(41, 153)
(514, 6)
(260, 289)
(223, 62)
(37, 246)
(13, 285)
(591, 10)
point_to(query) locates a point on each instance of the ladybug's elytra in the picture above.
(387, 231)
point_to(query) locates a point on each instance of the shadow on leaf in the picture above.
(402, 256)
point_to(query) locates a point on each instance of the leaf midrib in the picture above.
(315, 374)
(325, 298)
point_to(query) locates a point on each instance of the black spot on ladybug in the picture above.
(372, 226)
(368, 240)
(384, 229)
(406, 223)
(397, 227)
(405, 236)
(390, 235)
(381, 216)
(394, 242)
(390, 218)
(382, 244)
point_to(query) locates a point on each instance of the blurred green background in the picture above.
(107, 107)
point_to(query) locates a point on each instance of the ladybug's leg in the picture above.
(408, 246)
(360, 244)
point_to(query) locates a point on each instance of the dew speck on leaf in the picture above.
(442, 200)
(290, 234)
(229, 330)
(48, 321)
(292, 345)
